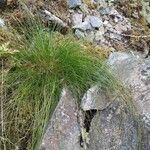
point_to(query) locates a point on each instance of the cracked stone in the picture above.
(63, 130)
(95, 99)
(114, 128)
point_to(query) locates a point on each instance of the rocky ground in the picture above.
(111, 25)
(119, 30)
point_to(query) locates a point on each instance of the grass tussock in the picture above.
(48, 62)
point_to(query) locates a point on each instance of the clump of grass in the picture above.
(49, 62)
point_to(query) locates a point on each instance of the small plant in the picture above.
(49, 62)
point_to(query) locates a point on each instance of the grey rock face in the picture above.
(95, 99)
(145, 10)
(79, 34)
(96, 22)
(48, 16)
(134, 71)
(63, 130)
(77, 18)
(74, 3)
(113, 129)
(83, 26)
(105, 11)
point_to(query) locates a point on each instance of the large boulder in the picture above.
(114, 128)
(63, 129)
(134, 71)
(115, 125)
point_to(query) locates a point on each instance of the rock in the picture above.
(115, 14)
(104, 11)
(77, 18)
(84, 8)
(115, 36)
(116, 57)
(145, 142)
(83, 26)
(90, 36)
(146, 10)
(116, 22)
(113, 128)
(107, 24)
(96, 22)
(49, 17)
(99, 34)
(74, 3)
(120, 28)
(134, 71)
(95, 99)
(63, 129)
(79, 34)
(2, 23)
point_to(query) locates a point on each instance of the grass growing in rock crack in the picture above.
(47, 63)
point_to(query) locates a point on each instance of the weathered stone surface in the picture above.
(146, 10)
(48, 16)
(79, 34)
(134, 71)
(95, 99)
(96, 22)
(63, 129)
(83, 26)
(113, 129)
(74, 3)
(84, 8)
(145, 137)
(105, 11)
(77, 18)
